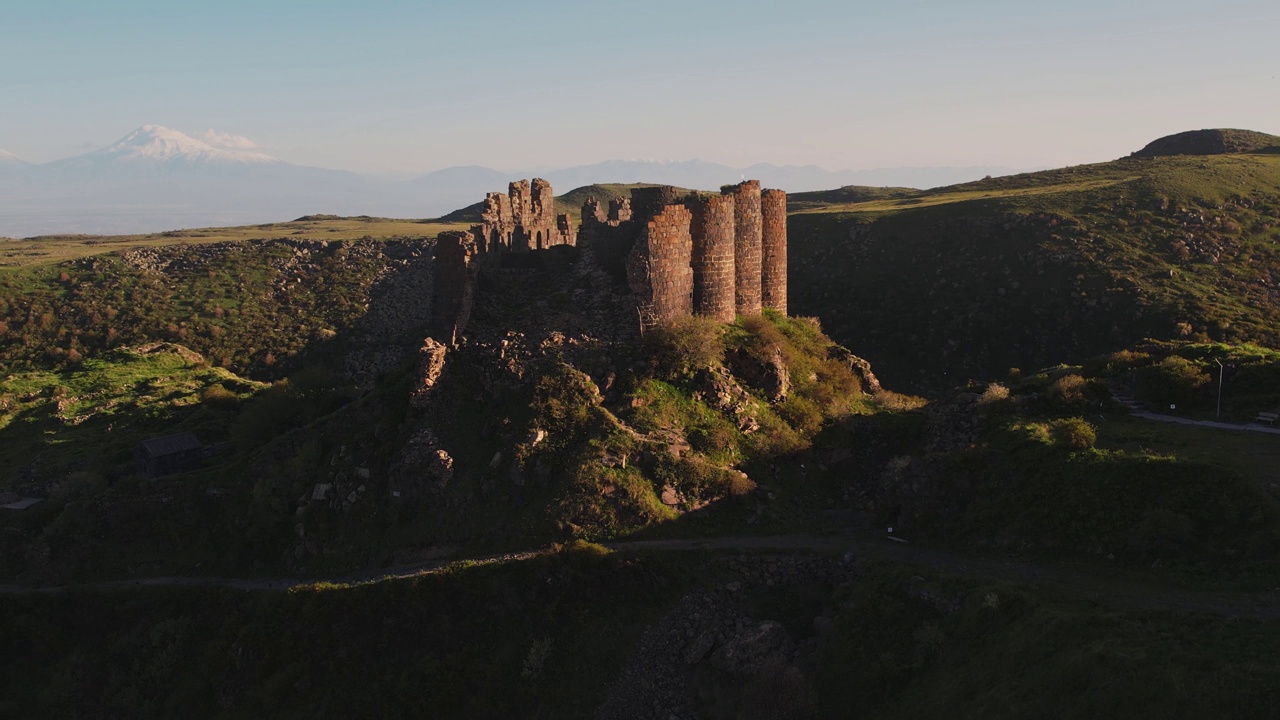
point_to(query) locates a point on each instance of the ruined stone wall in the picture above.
(619, 210)
(543, 204)
(712, 261)
(647, 202)
(592, 212)
(747, 246)
(523, 220)
(521, 202)
(565, 228)
(773, 257)
(454, 291)
(497, 225)
(659, 268)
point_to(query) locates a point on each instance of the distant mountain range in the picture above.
(157, 179)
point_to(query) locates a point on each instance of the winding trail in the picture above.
(1097, 588)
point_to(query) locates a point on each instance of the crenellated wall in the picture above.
(714, 281)
(746, 245)
(773, 256)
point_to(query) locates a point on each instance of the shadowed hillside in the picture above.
(1210, 142)
(1035, 269)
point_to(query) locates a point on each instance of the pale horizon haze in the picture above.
(404, 88)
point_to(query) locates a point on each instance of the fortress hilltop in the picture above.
(680, 253)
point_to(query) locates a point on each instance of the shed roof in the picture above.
(171, 444)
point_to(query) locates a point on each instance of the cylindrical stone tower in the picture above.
(713, 267)
(746, 246)
(773, 262)
(658, 268)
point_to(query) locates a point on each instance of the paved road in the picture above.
(1251, 427)
(1107, 590)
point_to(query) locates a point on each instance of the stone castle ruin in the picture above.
(680, 253)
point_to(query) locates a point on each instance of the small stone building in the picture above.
(169, 454)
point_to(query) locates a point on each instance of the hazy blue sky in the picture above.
(393, 86)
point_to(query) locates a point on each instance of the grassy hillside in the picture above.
(548, 637)
(251, 306)
(1211, 142)
(1025, 271)
(45, 250)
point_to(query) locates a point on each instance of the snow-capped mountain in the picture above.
(9, 160)
(154, 143)
(156, 178)
(12, 164)
(149, 150)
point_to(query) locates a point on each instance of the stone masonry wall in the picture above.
(454, 291)
(746, 246)
(497, 225)
(659, 268)
(714, 281)
(543, 204)
(773, 260)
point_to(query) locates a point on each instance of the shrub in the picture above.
(1070, 391)
(803, 415)
(1074, 433)
(995, 392)
(562, 400)
(686, 346)
(1174, 380)
(892, 401)
(217, 396)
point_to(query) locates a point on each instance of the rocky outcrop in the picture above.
(861, 368)
(422, 468)
(430, 366)
(718, 389)
(771, 376)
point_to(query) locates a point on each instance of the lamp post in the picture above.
(1221, 368)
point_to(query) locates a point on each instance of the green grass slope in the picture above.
(1035, 269)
